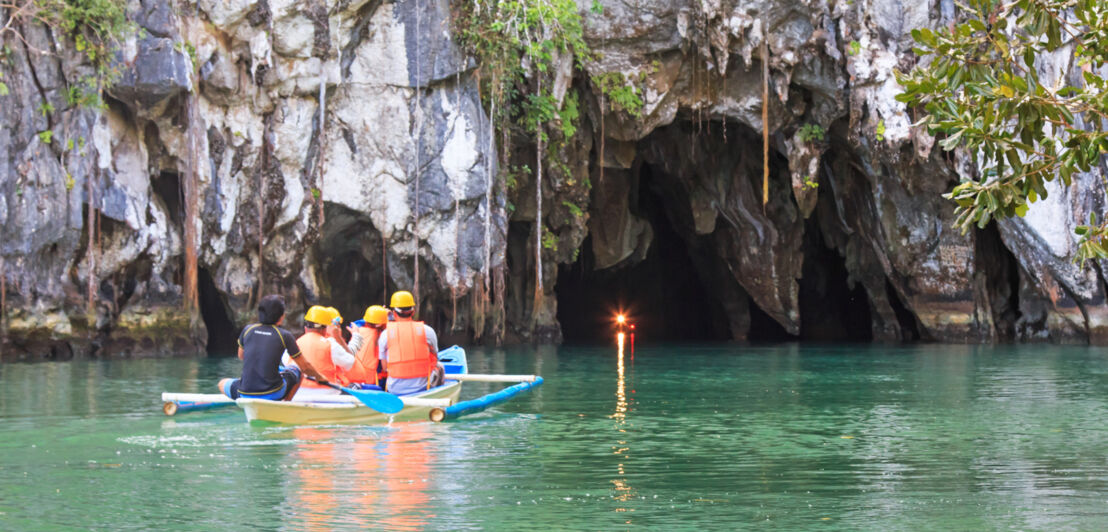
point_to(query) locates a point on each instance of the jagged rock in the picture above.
(159, 71)
(338, 202)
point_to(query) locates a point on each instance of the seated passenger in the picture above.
(260, 348)
(319, 346)
(367, 367)
(409, 350)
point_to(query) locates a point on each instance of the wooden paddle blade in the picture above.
(383, 402)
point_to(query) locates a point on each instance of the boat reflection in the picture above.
(359, 477)
(407, 471)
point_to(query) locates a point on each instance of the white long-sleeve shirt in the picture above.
(340, 357)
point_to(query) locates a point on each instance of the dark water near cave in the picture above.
(765, 438)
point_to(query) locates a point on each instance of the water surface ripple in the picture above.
(675, 437)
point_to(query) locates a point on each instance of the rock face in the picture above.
(325, 140)
(340, 150)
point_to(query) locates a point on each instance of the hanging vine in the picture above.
(517, 44)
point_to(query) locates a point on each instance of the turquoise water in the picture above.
(681, 437)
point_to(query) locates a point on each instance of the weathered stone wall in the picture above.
(873, 183)
(314, 194)
(397, 96)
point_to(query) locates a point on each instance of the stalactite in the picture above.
(260, 182)
(538, 226)
(418, 169)
(457, 271)
(765, 116)
(192, 210)
(602, 111)
(322, 134)
(3, 299)
(91, 222)
(384, 270)
(498, 285)
(482, 295)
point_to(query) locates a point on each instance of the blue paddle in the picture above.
(383, 402)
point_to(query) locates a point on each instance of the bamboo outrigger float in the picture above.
(437, 404)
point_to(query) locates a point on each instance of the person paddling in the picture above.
(321, 346)
(409, 350)
(260, 348)
(367, 367)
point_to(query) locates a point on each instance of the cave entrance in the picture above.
(830, 309)
(662, 293)
(222, 333)
(351, 262)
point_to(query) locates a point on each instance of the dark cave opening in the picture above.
(830, 309)
(222, 332)
(167, 186)
(1002, 280)
(909, 327)
(765, 329)
(662, 294)
(345, 248)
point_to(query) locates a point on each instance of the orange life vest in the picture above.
(365, 361)
(409, 355)
(315, 348)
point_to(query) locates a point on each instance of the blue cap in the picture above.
(358, 323)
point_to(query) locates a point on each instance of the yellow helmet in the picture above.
(402, 299)
(334, 313)
(376, 315)
(319, 315)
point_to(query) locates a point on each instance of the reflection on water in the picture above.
(781, 438)
(624, 493)
(374, 478)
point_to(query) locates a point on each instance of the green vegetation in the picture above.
(573, 209)
(94, 26)
(622, 94)
(810, 132)
(46, 136)
(520, 46)
(517, 43)
(189, 49)
(879, 133)
(981, 90)
(549, 240)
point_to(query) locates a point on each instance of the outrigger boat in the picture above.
(437, 404)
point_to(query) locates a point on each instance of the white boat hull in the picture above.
(417, 407)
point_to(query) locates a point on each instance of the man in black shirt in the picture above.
(260, 348)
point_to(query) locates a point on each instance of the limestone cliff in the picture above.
(331, 142)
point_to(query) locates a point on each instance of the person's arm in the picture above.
(333, 331)
(383, 348)
(242, 335)
(356, 341)
(305, 366)
(432, 340)
(340, 356)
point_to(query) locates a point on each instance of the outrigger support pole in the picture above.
(476, 405)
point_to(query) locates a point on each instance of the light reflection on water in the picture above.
(786, 437)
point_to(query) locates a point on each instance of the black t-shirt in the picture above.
(262, 347)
